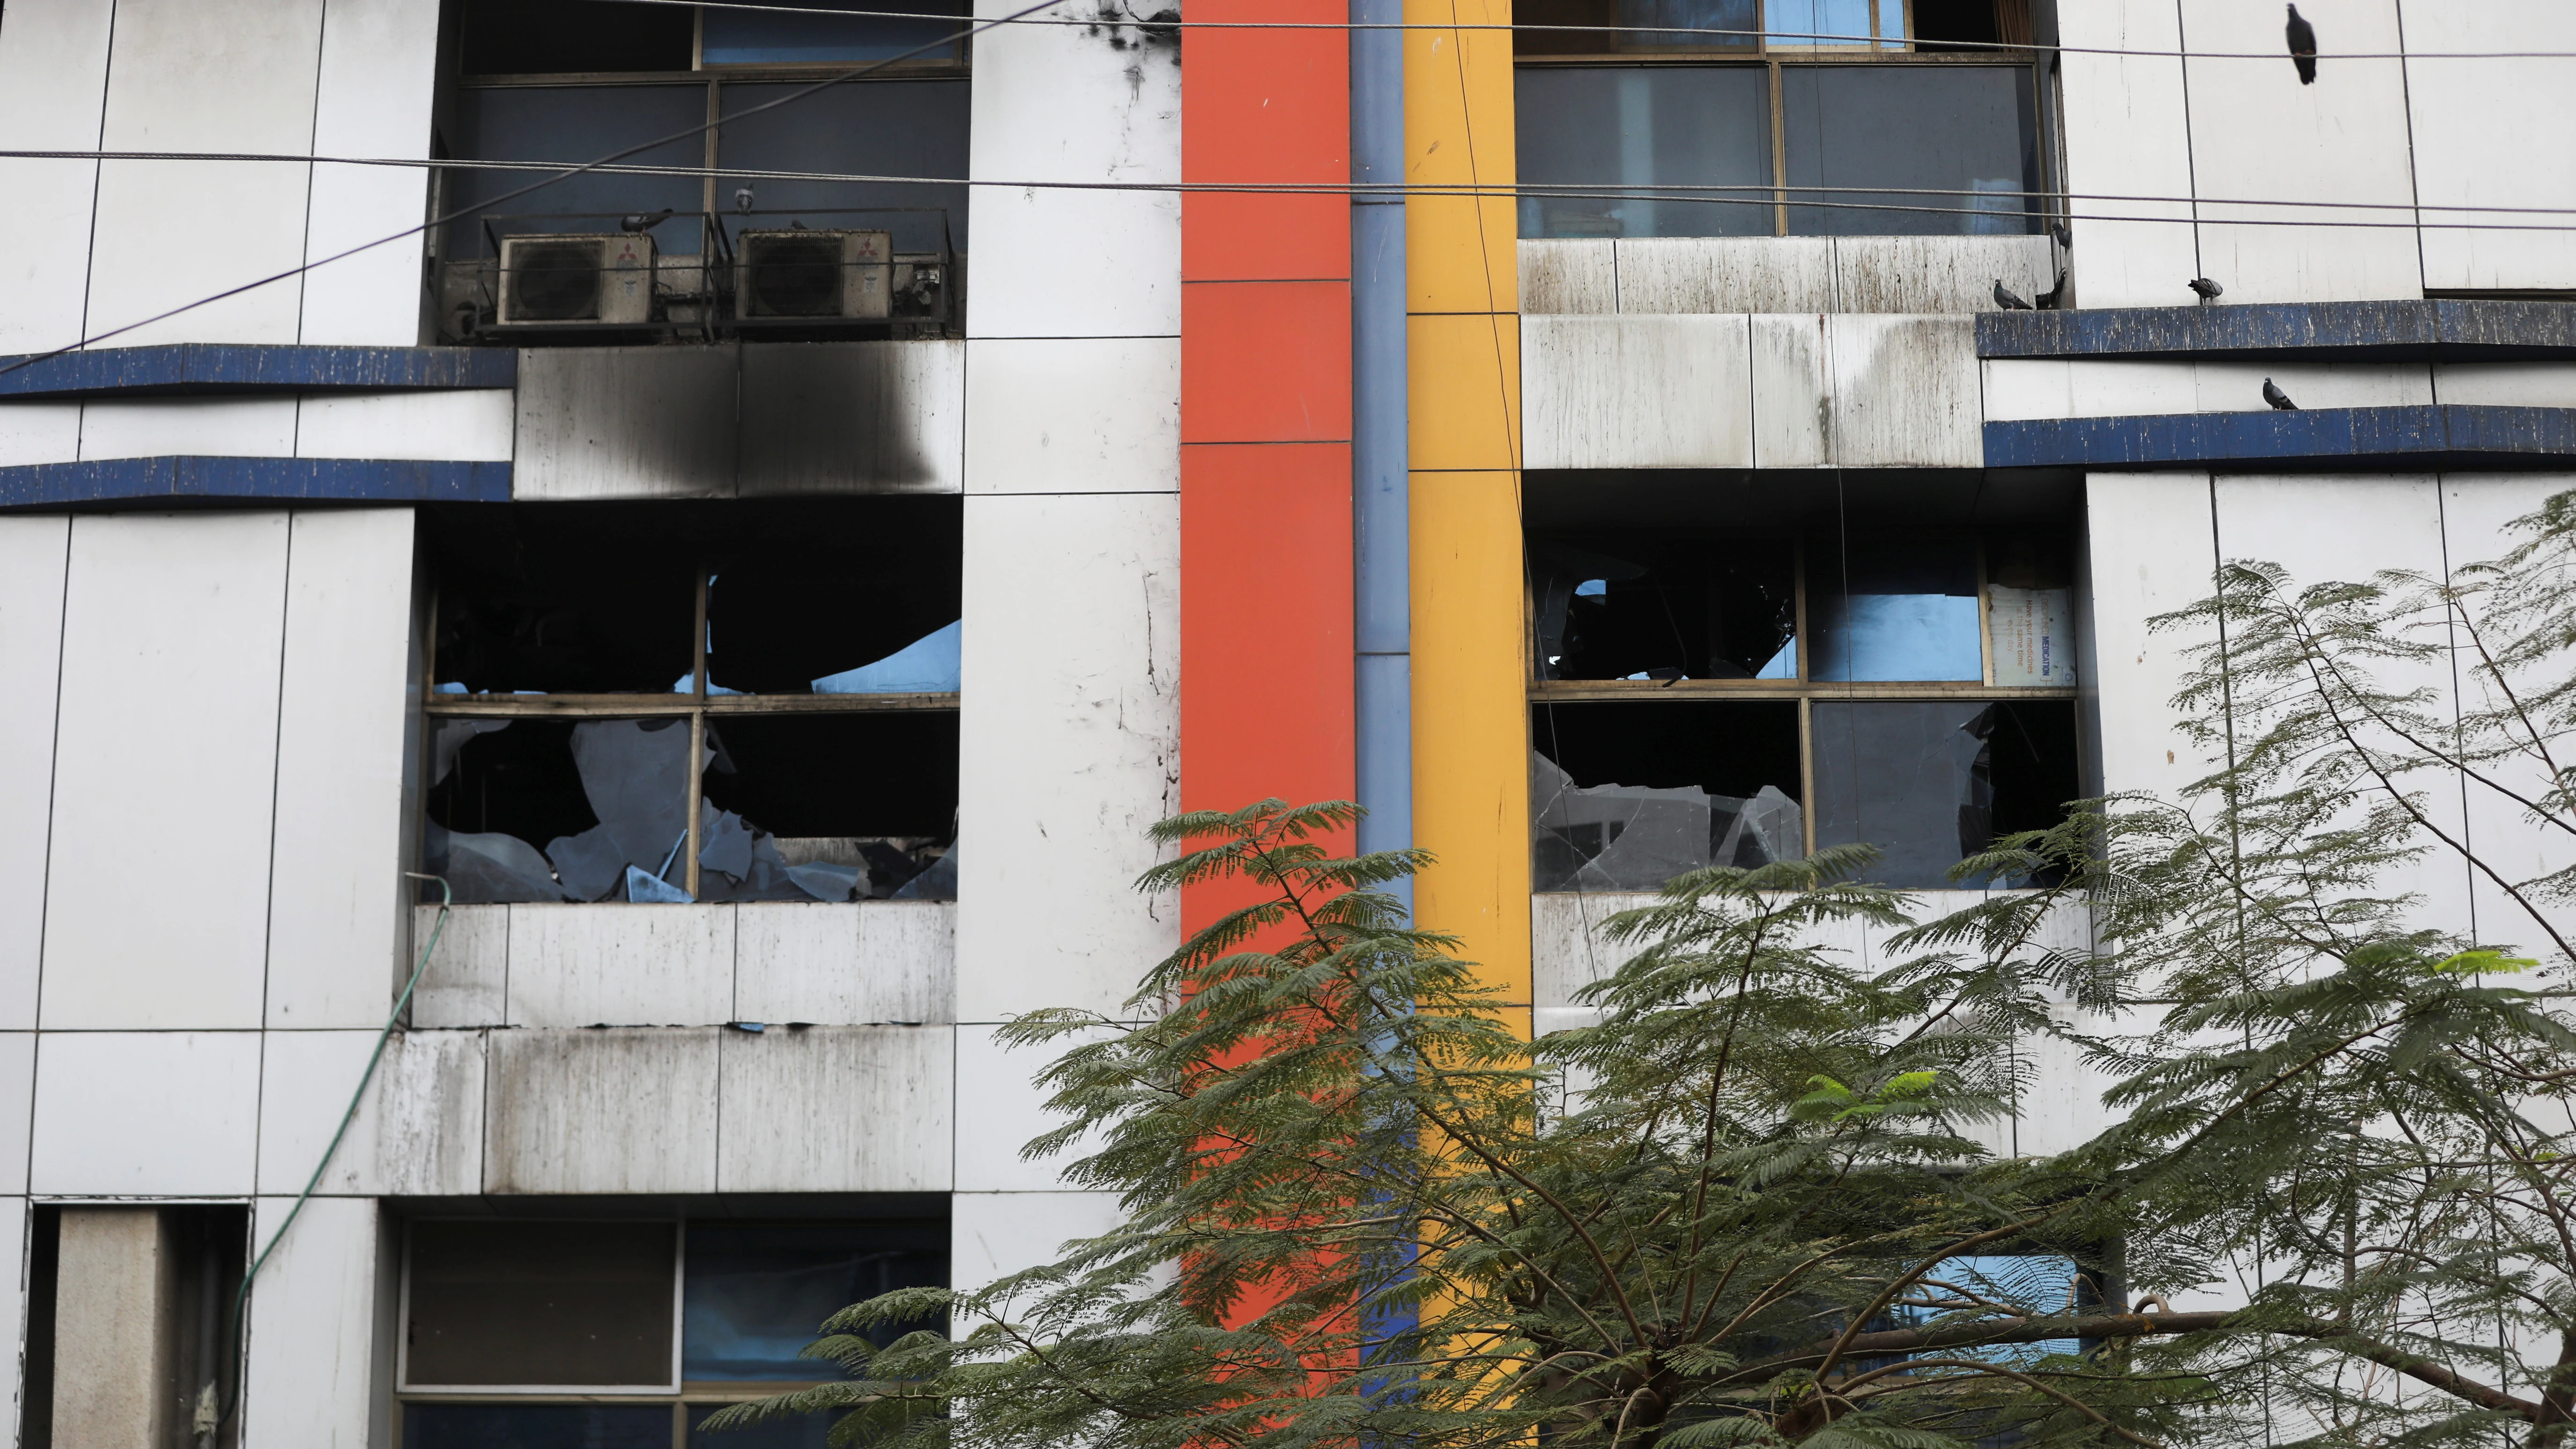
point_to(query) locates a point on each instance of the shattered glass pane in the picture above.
(1931, 782)
(877, 792)
(1907, 610)
(1633, 605)
(1718, 783)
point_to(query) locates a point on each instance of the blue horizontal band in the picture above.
(2400, 331)
(2451, 435)
(351, 480)
(202, 367)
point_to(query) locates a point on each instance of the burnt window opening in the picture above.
(1703, 118)
(571, 681)
(92, 1268)
(1883, 662)
(655, 1324)
(616, 257)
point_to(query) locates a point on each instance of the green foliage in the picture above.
(1758, 1200)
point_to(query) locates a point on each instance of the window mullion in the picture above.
(697, 741)
(1779, 153)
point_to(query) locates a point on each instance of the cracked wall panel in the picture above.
(852, 417)
(867, 962)
(108, 1122)
(336, 905)
(621, 965)
(1074, 415)
(32, 561)
(1637, 392)
(1069, 747)
(53, 83)
(165, 780)
(886, 1128)
(218, 76)
(1725, 274)
(1905, 392)
(418, 1133)
(617, 1111)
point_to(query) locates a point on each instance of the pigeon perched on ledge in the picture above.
(645, 220)
(2278, 399)
(2209, 291)
(2006, 299)
(2303, 47)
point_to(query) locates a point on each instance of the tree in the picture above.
(1756, 1203)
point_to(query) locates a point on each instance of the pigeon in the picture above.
(2065, 238)
(2277, 398)
(742, 200)
(2209, 291)
(2055, 297)
(645, 220)
(2005, 299)
(2303, 47)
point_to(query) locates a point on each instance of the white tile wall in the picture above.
(835, 1109)
(312, 1332)
(1637, 392)
(17, 1105)
(1073, 415)
(53, 83)
(33, 555)
(621, 965)
(890, 961)
(468, 980)
(995, 1234)
(377, 72)
(471, 425)
(616, 1111)
(1000, 1109)
(171, 1113)
(419, 1128)
(2152, 550)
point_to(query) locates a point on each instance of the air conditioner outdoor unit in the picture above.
(604, 279)
(819, 274)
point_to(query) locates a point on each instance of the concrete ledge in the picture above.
(216, 367)
(2399, 331)
(2420, 438)
(172, 479)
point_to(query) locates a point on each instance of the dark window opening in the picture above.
(90, 1264)
(1931, 782)
(1664, 606)
(540, 1304)
(537, 37)
(1628, 796)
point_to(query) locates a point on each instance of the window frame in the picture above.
(697, 707)
(2046, 207)
(1804, 690)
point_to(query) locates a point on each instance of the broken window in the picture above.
(1891, 145)
(1678, 722)
(566, 81)
(655, 1324)
(680, 702)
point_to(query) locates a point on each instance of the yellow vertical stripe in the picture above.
(1470, 722)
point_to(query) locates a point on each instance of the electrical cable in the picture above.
(701, 129)
(241, 1296)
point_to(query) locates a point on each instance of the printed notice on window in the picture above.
(2034, 634)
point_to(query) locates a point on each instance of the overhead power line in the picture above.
(1738, 194)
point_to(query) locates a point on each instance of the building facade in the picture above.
(766, 582)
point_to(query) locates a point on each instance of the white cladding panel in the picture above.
(1938, 273)
(233, 427)
(836, 1109)
(2150, 550)
(157, 883)
(1068, 747)
(312, 1333)
(2126, 137)
(13, 1293)
(419, 1128)
(2257, 134)
(1073, 415)
(625, 422)
(2021, 388)
(472, 425)
(1722, 274)
(1636, 392)
(992, 1235)
(2477, 511)
(2468, 118)
(2379, 523)
(17, 1102)
(38, 432)
(2506, 384)
(205, 75)
(378, 70)
(616, 1111)
(1563, 276)
(468, 980)
(1060, 103)
(33, 552)
(621, 965)
(1001, 1108)
(1791, 396)
(874, 961)
(336, 888)
(1904, 391)
(53, 87)
(167, 1113)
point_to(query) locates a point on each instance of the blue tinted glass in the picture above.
(811, 1431)
(2039, 1283)
(1907, 612)
(753, 37)
(1698, 24)
(757, 1293)
(1821, 22)
(537, 1426)
(1956, 146)
(1586, 134)
(571, 124)
(875, 128)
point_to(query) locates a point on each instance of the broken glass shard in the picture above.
(589, 864)
(939, 883)
(488, 867)
(931, 664)
(642, 888)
